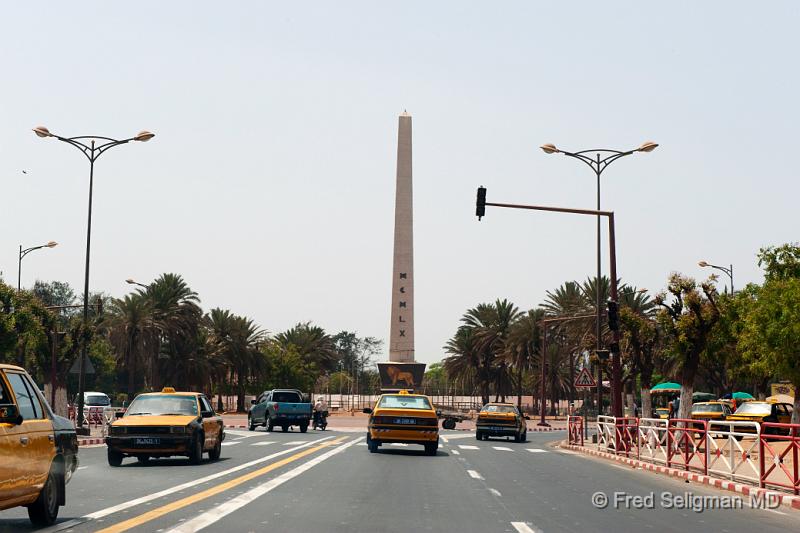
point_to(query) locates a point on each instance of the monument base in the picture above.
(401, 376)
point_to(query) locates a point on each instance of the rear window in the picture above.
(286, 397)
(754, 408)
(498, 409)
(707, 408)
(402, 401)
(98, 399)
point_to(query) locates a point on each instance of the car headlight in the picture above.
(178, 429)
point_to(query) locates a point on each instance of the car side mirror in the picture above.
(439, 412)
(207, 414)
(9, 414)
(119, 414)
(253, 402)
(367, 410)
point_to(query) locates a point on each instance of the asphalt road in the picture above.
(329, 482)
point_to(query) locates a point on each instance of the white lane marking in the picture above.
(445, 439)
(536, 450)
(243, 434)
(502, 448)
(263, 443)
(293, 443)
(496, 493)
(399, 444)
(230, 443)
(468, 447)
(522, 527)
(455, 452)
(209, 517)
(177, 488)
(361, 444)
(474, 475)
(461, 436)
(82, 467)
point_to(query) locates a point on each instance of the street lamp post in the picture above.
(616, 369)
(728, 271)
(131, 281)
(26, 251)
(603, 158)
(96, 147)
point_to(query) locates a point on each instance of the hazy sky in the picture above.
(270, 183)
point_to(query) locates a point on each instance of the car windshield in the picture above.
(401, 401)
(753, 408)
(497, 409)
(707, 408)
(163, 404)
(97, 399)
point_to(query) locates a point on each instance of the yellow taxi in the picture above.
(405, 418)
(166, 423)
(501, 420)
(758, 411)
(662, 412)
(710, 411)
(38, 449)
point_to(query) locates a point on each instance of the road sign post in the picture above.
(585, 379)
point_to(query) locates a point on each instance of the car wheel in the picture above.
(449, 423)
(303, 428)
(44, 510)
(114, 458)
(196, 453)
(525, 436)
(478, 435)
(284, 428)
(250, 424)
(372, 445)
(430, 449)
(216, 451)
(269, 424)
(142, 458)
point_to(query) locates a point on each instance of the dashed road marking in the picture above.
(455, 452)
(293, 443)
(399, 444)
(536, 450)
(230, 443)
(474, 474)
(496, 493)
(263, 443)
(502, 448)
(522, 527)
(468, 447)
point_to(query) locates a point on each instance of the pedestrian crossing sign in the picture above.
(585, 379)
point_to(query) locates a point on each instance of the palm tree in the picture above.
(312, 343)
(132, 334)
(522, 345)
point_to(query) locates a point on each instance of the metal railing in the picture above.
(783, 475)
(575, 430)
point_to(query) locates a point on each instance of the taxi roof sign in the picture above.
(585, 379)
(403, 391)
(168, 390)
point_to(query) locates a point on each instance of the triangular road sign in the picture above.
(585, 379)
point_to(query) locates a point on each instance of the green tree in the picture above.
(133, 335)
(312, 344)
(687, 321)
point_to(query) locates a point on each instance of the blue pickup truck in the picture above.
(280, 407)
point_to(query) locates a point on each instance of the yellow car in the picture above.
(710, 411)
(166, 423)
(405, 418)
(501, 420)
(662, 412)
(756, 411)
(38, 449)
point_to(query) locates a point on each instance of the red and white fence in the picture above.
(763, 454)
(575, 430)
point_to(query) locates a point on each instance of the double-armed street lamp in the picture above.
(92, 146)
(728, 271)
(26, 251)
(602, 158)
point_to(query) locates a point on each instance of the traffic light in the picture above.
(613, 315)
(480, 204)
(602, 355)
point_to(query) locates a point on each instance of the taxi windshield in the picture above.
(753, 408)
(163, 404)
(498, 409)
(707, 408)
(401, 401)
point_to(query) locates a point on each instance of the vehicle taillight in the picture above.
(276, 406)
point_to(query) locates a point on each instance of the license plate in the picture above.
(497, 428)
(405, 421)
(147, 441)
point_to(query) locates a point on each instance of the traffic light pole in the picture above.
(616, 368)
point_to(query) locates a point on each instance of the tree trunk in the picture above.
(647, 403)
(685, 408)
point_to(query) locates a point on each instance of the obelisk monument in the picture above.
(402, 372)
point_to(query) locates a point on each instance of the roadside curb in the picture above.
(91, 442)
(786, 500)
